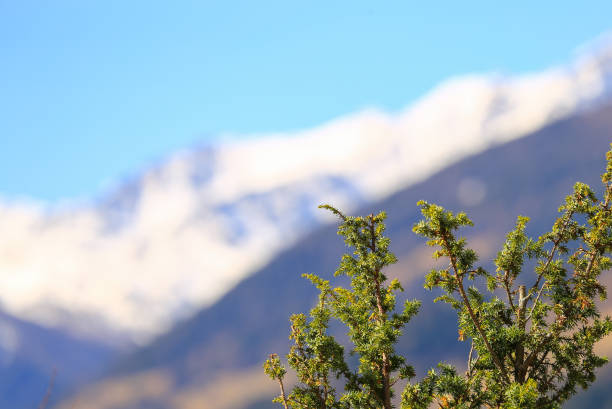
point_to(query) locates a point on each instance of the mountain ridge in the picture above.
(188, 230)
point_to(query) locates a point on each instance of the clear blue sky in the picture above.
(92, 91)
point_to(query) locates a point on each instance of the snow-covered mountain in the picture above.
(183, 232)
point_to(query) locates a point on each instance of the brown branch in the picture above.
(591, 262)
(470, 360)
(531, 358)
(519, 369)
(536, 366)
(508, 292)
(553, 250)
(283, 396)
(475, 320)
(386, 373)
(545, 267)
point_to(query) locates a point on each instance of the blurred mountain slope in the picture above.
(180, 234)
(529, 176)
(31, 354)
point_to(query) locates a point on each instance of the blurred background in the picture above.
(161, 166)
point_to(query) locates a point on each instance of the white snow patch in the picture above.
(194, 226)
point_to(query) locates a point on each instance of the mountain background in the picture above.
(209, 359)
(167, 288)
(180, 234)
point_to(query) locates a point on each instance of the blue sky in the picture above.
(91, 91)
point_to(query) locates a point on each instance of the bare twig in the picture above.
(45, 400)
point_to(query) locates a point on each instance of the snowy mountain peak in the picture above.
(182, 233)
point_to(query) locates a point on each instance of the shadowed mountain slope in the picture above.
(31, 357)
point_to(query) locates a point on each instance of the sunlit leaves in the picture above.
(531, 335)
(542, 336)
(368, 310)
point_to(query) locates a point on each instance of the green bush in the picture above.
(531, 345)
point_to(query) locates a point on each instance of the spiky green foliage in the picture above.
(368, 309)
(531, 345)
(531, 336)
